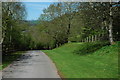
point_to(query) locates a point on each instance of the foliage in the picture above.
(116, 23)
(88, 48)
(0, 21)
(12, 14)
(64, 22)
(60, 23)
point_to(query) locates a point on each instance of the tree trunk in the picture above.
(110, 28)
(110, 32)
(68, 31)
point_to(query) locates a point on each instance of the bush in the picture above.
(87, 48)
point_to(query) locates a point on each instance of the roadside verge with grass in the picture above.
(103, 63)
(8, 59)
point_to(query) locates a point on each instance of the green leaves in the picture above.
(12, 14)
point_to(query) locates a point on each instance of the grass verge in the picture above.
(8, 59)
(102, 63)
(0, 67)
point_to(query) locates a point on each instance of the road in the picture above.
(32, 64)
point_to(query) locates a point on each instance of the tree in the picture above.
(1, 23)
(114, 16)
(12, 13)
(116, 21)
(65, 22)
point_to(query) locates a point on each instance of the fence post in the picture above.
(92, 38)
(89, 38)
(95, 37)
(99, 37)
(85, 39)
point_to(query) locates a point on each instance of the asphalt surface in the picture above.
(32, 64)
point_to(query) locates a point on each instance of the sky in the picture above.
(35, 9)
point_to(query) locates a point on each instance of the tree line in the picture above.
(71, 22)
(60, 23)
(13, 14)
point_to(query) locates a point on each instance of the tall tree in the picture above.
(12, 13)
(1, 23)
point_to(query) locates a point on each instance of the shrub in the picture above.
(90, 47)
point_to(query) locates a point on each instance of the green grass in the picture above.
(0, 67)
(7, 60)
(88, 48)
(103, 63)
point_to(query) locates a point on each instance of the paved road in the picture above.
(33, 64)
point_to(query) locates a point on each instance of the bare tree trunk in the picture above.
(110, 27)
(110, 32)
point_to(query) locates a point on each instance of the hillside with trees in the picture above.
(77, 31)
(60, 23)
(75, 22)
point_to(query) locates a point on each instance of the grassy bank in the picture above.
(6, 60)
(102, 63)
(0, 67)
